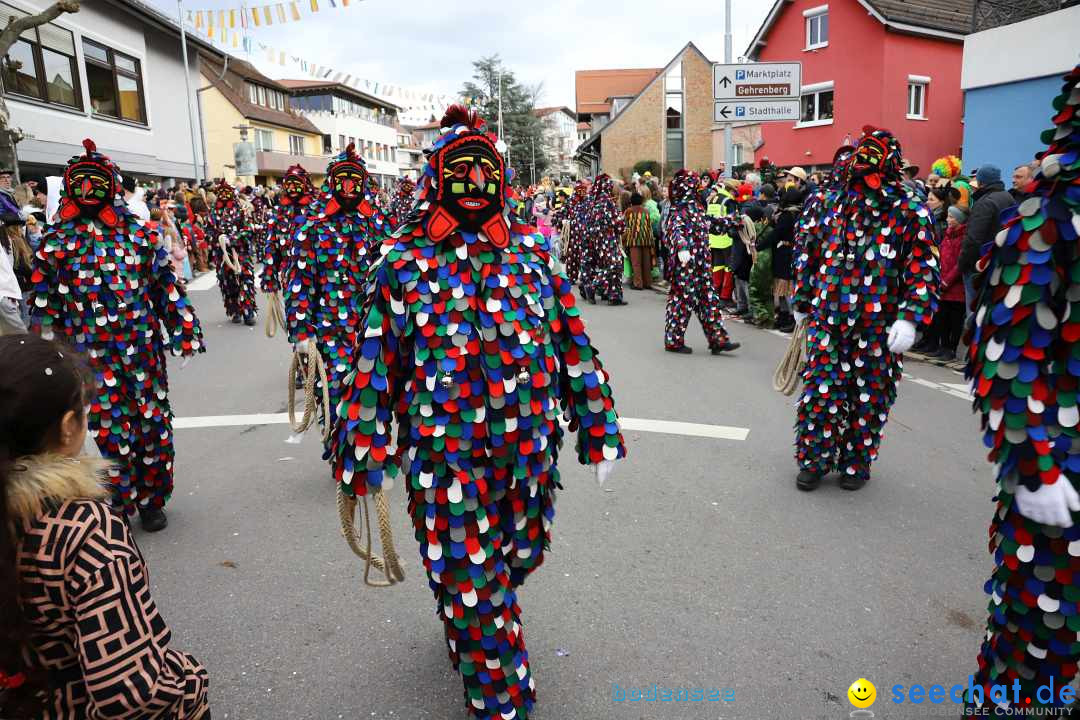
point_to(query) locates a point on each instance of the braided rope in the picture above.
(359, 541)
(789, 371)
(312, 368)
(275, 314)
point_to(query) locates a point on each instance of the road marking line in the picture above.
(664, 427)
(953, 389)
(203, 282)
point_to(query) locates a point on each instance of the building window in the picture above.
(115, 81)
(341, 143)
(41, 64)
(296, 144)
(817, 27)
(916, 97)
(674, 154)
(736, 155)
(264, 140)
(817, 105)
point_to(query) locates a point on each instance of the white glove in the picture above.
(603, 471)
(901, 336)
(684, 256)
(1050, 504)
(799, 316)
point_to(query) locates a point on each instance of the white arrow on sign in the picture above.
(755, 111)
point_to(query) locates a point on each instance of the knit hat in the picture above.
(958, 214)
(988, 175)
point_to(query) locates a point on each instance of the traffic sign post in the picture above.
(755, 111)
(757, 92)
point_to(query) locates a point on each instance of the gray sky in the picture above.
(429, 45)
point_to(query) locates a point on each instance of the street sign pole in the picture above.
(729, 151)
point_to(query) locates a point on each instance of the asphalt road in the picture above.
(699, 565)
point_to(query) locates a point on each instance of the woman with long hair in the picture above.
(80, 636)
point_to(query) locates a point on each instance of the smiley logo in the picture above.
(862, 693)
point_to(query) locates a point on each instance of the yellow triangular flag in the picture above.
(210, 31)
(232, 18)
(221, 19)
(295, 11)
(255, 16)
(314, 5)
(267, 15)
(235, 40)
(209, 18)
(198, 20)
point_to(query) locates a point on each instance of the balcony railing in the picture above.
(995, 13)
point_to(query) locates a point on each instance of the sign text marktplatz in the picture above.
(756, 92)
(757, 81)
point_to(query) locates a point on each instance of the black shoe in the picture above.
(727, 346)
(617, 303)
(682, 350)
(153, 519)
(852, 482)
(249, 319)
(236, 319)
(807, 480)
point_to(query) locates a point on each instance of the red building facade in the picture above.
(891, 63)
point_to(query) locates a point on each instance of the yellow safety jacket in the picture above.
(721, 206)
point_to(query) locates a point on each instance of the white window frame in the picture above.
(296, 145)
(923, 84)
(269, 134)
(814, 89)
(811, 15)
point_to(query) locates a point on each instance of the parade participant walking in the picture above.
(80, 635)
(692, 289)
(477, 406)
(638, 241)
(296, 198)
(105, 285)
(571, 221)
(232, 251)
(325, 283)
(1023, 368)
(601, 253)
(866, 275)
(401, 203)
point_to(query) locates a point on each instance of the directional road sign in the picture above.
(757, 81)
(755, 111)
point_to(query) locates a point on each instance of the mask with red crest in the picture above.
(296, 187)
(347, 180)
(877, 159)
(91, 184)
(225, 194)
(465, 180)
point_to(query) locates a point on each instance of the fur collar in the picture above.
(39, 478)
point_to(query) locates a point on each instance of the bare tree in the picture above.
(10, 137)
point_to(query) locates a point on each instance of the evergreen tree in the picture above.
(522, 130)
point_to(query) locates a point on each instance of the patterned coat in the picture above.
(86, 596)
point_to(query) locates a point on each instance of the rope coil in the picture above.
(275, 314)
(309, 363)
(359, 539)
(789, 372)
(232, 262)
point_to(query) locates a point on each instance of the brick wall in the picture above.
(637, 134)
(698, 104)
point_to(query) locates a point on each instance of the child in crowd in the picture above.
(949, 320)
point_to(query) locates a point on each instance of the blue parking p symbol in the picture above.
(740, 74)
(740, 111)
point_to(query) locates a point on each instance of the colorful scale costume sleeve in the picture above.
(867, 259)
(103, 284)
(1024, 364)
(237, 288)
(296, 196)
(473, 342)
(692, 289)
(327, 274)
(402, 201)
(601, 271)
